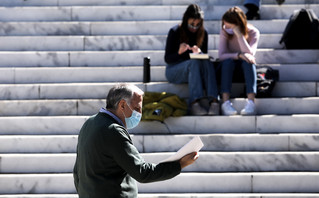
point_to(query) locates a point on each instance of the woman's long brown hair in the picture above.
(236, 16)
(193, 12)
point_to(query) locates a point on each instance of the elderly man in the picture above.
(107, 162)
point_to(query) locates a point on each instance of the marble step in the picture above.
(233, 124)
(109, 43)
(266, 124)
(180, 195)
(25, 75)
(208, 162)
(296, 72)
(168, 143)
(229, 195)
(253, 182)
(264, 106)
(135, 2)
(38, 143)
(135, 13)
(233, 182)
(230, 142)
(99, 90)
(116, 27)
(135, 58)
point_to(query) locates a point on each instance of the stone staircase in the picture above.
(59, 58)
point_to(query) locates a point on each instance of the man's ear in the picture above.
(122, 104)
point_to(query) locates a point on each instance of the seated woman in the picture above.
(237, 47)
(183, 39)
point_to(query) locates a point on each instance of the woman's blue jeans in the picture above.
(249, 70)
(199, 74)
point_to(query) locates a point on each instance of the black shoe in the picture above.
(253, 12)
(252, 15)
(280, 2)
(198, 110)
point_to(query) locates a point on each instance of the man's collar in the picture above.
(103, 110)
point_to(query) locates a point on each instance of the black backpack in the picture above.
(266, 81)
(302, 31)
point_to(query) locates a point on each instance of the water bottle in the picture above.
(147, 70)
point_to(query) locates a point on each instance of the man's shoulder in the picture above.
(117, 127)
(103, 121)
(110, 126)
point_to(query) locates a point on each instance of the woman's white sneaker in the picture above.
(250, 108)
(228, 109)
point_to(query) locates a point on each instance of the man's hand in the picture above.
(188, 159)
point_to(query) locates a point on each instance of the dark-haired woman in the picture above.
(237, 47)
(183, 39)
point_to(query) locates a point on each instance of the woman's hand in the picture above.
(196, 49)
(183, 47)
(237, 31)
(247, 57)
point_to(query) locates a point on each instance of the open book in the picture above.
(193, 145)
(198, 56)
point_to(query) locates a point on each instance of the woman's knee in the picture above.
(248, 66)
(228, 61)
(228, 65)
(193, 62)
(194, 65)
(176, 73)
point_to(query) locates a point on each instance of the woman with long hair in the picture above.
(237, 48)
(191, 37)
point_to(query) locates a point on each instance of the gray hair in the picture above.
(121, 92)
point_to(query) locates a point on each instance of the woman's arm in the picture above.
(172, 48)
(249, 45)
(223, 51)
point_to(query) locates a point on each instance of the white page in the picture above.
(192, 146)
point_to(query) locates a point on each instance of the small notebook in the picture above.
(198, 56)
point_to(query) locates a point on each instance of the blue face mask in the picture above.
(134, 120)
(229, 30)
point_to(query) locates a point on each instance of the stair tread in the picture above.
(133, 13)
